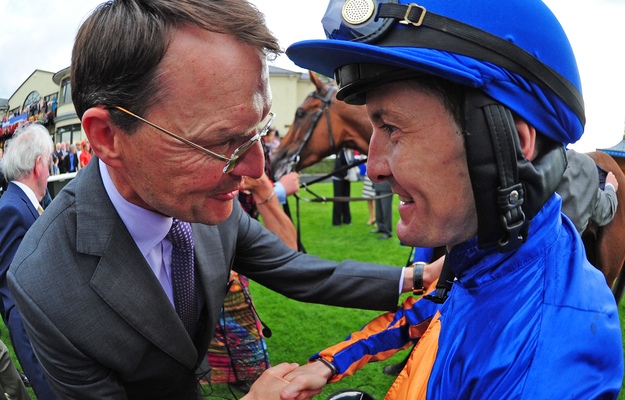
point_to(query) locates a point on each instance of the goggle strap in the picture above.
(449, 35)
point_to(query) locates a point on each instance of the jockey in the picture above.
(472, 104)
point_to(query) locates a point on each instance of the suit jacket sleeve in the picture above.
(260, 255)
(582, 200)
(605, 206)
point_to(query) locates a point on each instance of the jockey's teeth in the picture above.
(405, 199)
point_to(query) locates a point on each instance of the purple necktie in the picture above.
(182, 274)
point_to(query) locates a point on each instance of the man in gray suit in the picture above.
(94, 277)
(583, 203)
(383, 209)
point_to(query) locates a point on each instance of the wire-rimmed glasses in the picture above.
(230, 161)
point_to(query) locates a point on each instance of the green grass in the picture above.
(300, 330)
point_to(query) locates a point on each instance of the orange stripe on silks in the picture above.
(364, 361)
(417, 331)
(377, 325)
(374, 327)
(412, 382)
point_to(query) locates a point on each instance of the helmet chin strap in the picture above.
(508, 189)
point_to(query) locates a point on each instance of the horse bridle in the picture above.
(294, 160)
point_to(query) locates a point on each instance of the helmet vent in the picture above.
(357, 11)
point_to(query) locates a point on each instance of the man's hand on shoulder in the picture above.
(611, 179)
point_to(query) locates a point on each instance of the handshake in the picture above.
(289, 381)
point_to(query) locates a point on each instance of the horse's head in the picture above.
(321, 127)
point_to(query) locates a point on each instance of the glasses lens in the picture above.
(243, 148)
(355, 20)
(238, 151)
(272, 117)
(229, 166)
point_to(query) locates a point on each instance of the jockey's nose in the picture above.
(377, 162)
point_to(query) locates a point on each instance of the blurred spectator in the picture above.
(85, 154)
(54, 164)
(11, 383)
(368, 193)
(383, 209)
(60, 153)
(3, 182)
(71, 163)
(272, 140)
(341, 213)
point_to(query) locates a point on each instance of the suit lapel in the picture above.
(13, 188)
(123, 278)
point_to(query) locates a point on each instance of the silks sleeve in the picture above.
(381, 338)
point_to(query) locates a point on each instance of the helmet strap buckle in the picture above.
(513, 219)
(407, 17)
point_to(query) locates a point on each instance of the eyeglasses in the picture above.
(230, 161)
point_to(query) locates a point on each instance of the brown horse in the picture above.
(323, 125)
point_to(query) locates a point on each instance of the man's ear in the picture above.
(527, 137)
(104, 136)
(39, 167)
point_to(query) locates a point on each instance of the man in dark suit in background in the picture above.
(107, 319)
(341, 213)
(60, 156)
(26, 168)
(70, 162)
(3, 182)
(383, 209)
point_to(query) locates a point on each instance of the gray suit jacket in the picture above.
(582, 199)
(99, 320)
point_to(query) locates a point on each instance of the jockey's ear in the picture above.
(527, 137)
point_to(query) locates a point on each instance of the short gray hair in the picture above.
(21, 152)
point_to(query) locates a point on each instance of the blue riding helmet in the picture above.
(515, 51)
(511, 57)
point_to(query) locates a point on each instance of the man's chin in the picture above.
(403, 234)
(216, 214)
(409, 235)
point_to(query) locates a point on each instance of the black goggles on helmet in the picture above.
(386, 23)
